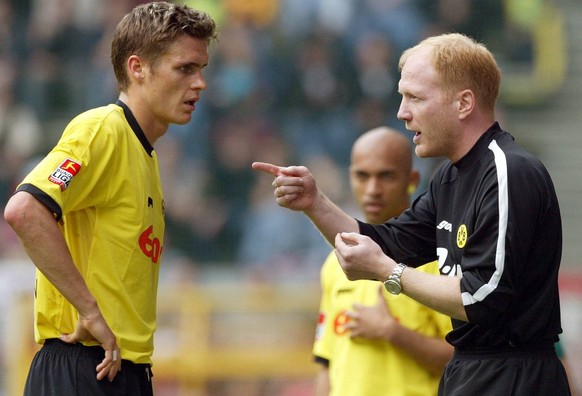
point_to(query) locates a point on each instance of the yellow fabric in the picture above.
(372, 367)
(113, 223)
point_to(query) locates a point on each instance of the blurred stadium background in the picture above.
(290, 81)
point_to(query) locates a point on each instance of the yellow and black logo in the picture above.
(462, 236)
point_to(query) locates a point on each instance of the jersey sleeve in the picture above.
(74, 174)
(512, 205)
(484, 295)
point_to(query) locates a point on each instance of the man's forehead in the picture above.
(188, 47)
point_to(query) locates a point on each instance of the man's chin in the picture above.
(183, 120)
(422, 152)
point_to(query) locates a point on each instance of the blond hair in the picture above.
(462, 63)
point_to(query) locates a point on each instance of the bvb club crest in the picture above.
(462, 236)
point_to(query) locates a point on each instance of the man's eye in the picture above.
(186, 69)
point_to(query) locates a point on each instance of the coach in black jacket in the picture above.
(490, 216)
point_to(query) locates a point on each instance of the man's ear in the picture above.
(466, 103)
(135, 67)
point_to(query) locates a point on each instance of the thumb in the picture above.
(348, 238)
(68, 338)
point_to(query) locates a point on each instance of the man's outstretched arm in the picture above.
(296, 189)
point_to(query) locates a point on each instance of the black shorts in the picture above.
(66, 369)
(516, 372)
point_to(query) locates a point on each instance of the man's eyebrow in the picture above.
(194, 64)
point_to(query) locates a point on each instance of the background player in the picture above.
(368, 340)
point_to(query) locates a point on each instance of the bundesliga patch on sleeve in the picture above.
(65, 173)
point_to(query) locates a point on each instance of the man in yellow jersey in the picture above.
(91, 214)
(370, 342)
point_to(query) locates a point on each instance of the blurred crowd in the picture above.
(290, 82)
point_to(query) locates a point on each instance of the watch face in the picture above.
(392, 286)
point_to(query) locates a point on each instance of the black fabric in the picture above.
(512, 372)
(324, 362)
(44, 198)
(66, 369)
(509, 271)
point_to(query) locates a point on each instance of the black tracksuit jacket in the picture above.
(492, 218)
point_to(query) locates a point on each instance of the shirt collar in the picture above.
(135, 127)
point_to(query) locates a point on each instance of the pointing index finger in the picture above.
(267, 168)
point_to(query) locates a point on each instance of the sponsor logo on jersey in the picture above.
(340, 322)
(446, 268)
(150, 245)
(65, 173)
(445, 225)
(462, 236)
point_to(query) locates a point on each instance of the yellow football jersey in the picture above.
(102, 183)
(372, 367)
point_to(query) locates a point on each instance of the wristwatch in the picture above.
(393, 284)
